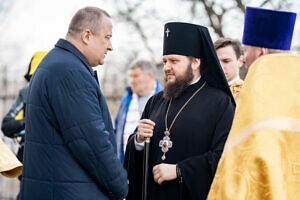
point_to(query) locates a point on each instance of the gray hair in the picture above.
(87, 18)
(144, 65)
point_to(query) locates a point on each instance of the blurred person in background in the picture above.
(261, 155)
(142, 86)
(13, 123)
(70, 148)
(230, 54)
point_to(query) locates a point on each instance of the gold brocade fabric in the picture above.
(236, 88)
(10, 166)
(261, 158)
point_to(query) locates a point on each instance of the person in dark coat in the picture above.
(13, 123)
(70, 150)
(188, 122)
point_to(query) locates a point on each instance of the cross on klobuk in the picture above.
(167, 32)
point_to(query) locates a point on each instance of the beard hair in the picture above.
(174, 90)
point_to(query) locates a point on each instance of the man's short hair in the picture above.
(224, 42)
(144, 65)
(87, 18)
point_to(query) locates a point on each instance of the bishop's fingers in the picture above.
(148, 122)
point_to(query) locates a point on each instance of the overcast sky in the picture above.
(34, 25)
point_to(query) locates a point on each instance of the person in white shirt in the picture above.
(142, 86)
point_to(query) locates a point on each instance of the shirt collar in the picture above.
(195, 81)
(234, 80)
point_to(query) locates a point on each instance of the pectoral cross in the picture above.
(165, 144)
(167, 32)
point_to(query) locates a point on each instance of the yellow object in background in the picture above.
(10, 166)
(35, 61)
(20, 115)
(261, 158)
(236, 89)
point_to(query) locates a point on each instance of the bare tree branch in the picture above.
(128, 16)
(217, 26)
(215, 16)
(240, 5)
(193, 8)
(264, 3)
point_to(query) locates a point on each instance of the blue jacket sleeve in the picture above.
(82, 116)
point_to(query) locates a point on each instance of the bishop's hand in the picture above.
(145, 130)
(164, 172)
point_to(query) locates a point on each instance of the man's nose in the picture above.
(110, 47)
(167, 66)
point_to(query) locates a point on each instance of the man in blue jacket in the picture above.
(142, 86)
(70, 149)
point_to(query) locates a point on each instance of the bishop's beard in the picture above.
(174, 89)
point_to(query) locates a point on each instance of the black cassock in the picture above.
(198, 137)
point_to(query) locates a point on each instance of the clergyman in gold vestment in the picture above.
(261, 158)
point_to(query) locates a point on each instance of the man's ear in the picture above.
(151, 75)
(86, 36)
(241, 61)
(264, 51)
(196, 63)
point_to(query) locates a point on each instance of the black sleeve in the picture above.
(198, 171)
(10, 126)
(133, 161)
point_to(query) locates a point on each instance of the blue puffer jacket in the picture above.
(70, 148)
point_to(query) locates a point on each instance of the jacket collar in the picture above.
(64, 44)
